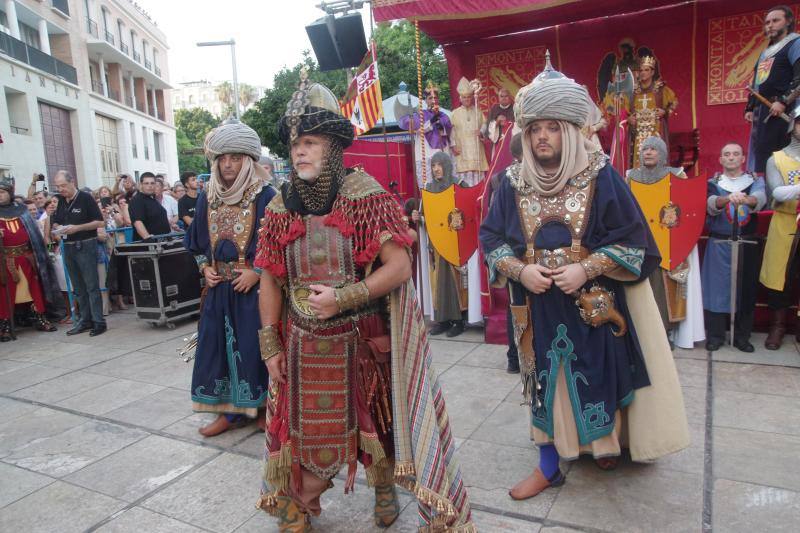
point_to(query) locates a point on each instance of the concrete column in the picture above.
(11, 15)
(44, 37)
(102, 68)
(132, 91)
(155, 104)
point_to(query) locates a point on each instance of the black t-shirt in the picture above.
(147, 210)
(81, 210)
(186, 207)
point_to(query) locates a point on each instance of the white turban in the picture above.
(232, 137)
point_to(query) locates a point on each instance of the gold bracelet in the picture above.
(510, 267)
(597, 264)
(352, 296)
(270, 342)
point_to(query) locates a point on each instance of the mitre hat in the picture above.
(232, 137)
(464, 87)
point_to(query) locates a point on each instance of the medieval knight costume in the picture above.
(27, 277)
(779, 263)
(677, 291)
(776, 75)
(594, 361)
(648, 98)
(716, 270)
(358, 386)
(229, 377)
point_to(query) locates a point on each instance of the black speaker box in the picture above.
(338, 42)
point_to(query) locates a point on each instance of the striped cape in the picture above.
(424, 449)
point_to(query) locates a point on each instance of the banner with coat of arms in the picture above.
(508, 69)
(363, 102)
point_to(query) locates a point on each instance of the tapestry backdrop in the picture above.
(706, 54)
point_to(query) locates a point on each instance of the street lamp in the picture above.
(232, 44)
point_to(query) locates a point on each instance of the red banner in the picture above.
(508, 69)
(734, 45)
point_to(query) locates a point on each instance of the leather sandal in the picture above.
(534, 484)
(217, 427)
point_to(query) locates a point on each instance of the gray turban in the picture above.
(551, 96)
(232, 137)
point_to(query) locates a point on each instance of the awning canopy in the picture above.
(490, 18)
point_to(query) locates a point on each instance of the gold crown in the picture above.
(648, 61)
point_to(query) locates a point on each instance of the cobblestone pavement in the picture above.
(98, 434)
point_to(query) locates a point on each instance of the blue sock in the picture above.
(548, 460)
(233, 418)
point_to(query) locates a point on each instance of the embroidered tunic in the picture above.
(228, 375)
(600, 371)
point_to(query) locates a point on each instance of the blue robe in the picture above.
(602, 371)
(716, 269)
(229, 375)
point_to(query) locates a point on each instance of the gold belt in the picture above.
(18, 251)
(559, 257)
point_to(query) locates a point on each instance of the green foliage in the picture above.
(192, 125)
(397, 58)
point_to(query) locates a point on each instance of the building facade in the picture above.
(205, 94)
(85, 88)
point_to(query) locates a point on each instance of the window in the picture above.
(120, 27)
(29, 35)
(3, 19)
(145, 144)
(133, 142)
(191, 99)
(18, 117)
(104, 12)
(158, 139)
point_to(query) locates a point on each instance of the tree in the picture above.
(247, 95)
(397, 60)
(265, 115)
(192, 125)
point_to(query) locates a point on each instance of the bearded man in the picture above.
(26, 274)
(564, 229)
(776, 77)
(229, 377)
(350, 369)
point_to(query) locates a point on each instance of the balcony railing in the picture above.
(146, 152)
(114, 95)
(36, 58)
(151, 112)
(19, 130)
(109, 37)
(140, 106)
(97, 87)
(129, 101)
(157, 71)
(148, 65)
(135, 151)
(161, 116)
(137, 57)
(124, 48)
(91, 28)
(61, 5)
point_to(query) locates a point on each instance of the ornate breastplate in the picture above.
(571, 206)
(321, 256)
(233, 222)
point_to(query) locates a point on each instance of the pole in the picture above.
(235, 81)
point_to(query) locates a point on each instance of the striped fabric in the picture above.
(363, 102)
(424, 447)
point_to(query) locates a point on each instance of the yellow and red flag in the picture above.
(363, 103)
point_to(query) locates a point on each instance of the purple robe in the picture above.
(437, 127)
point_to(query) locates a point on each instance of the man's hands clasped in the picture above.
(538, 279)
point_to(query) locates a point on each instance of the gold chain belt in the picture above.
(19, 250)
(559, 257)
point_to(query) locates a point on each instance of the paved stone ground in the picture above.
(98, 435)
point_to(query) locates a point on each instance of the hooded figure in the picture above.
(568, 235)
(229, 377)
(344, 339)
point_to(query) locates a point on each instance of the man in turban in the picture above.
(677, 291)
(564, 230)
(27, 278)
(350, 367)
(229, 378)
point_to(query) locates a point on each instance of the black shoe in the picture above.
(98, 330)
(440, 327)
(712, 345)
(513, 367)
(80, 328)
(456, 330)
(744, 346)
